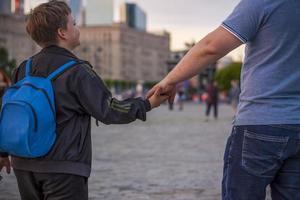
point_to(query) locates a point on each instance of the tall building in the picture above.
(5, 6)
(18, 7)
(133, 16)
(120, 53)
(14, 38)
(99, 12)
(12, 6)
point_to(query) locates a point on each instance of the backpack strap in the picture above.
(28, 67)
(62, 69)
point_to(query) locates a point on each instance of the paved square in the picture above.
(173, 156)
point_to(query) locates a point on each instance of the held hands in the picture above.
(157, 98)
(160, 93)
(5, 162)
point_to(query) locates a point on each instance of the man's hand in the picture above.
(163, 88)
(207, 51)
(157, 98)
(5, 162)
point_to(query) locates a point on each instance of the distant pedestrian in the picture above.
(212, 99)
(180, 95)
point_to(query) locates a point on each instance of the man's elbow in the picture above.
(219, 43)
(211, 49)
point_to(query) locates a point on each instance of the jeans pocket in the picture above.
(262, 154)
(228, 147)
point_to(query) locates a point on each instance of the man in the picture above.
(263, 148)
(79, 94)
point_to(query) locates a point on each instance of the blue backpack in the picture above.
(28, 115)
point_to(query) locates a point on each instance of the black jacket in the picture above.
(79, 94)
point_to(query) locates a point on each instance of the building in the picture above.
(18, 7)
(5, 6)
(124, 54)
(75, 5)
(14, 38)
(12, 7)
(117, 52)
(132, 15)
(99, 12)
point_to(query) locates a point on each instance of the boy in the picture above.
(79, 94)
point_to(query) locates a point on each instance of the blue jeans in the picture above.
(261, 155)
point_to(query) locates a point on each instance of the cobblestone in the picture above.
(173, 156)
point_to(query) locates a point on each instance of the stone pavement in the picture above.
(173, 156)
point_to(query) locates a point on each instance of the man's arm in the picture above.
(214, 46)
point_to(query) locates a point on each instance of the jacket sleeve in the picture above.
(97, 100)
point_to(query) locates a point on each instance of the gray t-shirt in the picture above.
(270, 78)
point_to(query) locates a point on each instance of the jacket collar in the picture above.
(54, 49)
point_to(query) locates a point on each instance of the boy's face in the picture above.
(72, 33)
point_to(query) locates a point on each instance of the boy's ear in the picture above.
(61, 33)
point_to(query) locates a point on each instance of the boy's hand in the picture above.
(166, 89)
(157, 98)
(5, 162)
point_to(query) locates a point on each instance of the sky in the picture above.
(186, 20)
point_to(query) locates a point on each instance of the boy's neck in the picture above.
(65, 46)
(59, 45)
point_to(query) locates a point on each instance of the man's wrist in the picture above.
(166, 80)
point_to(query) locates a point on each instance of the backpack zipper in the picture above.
(39, 89)
(31, 108)
(34, 115)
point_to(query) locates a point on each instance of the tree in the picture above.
(6, 64)
(227, 74)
